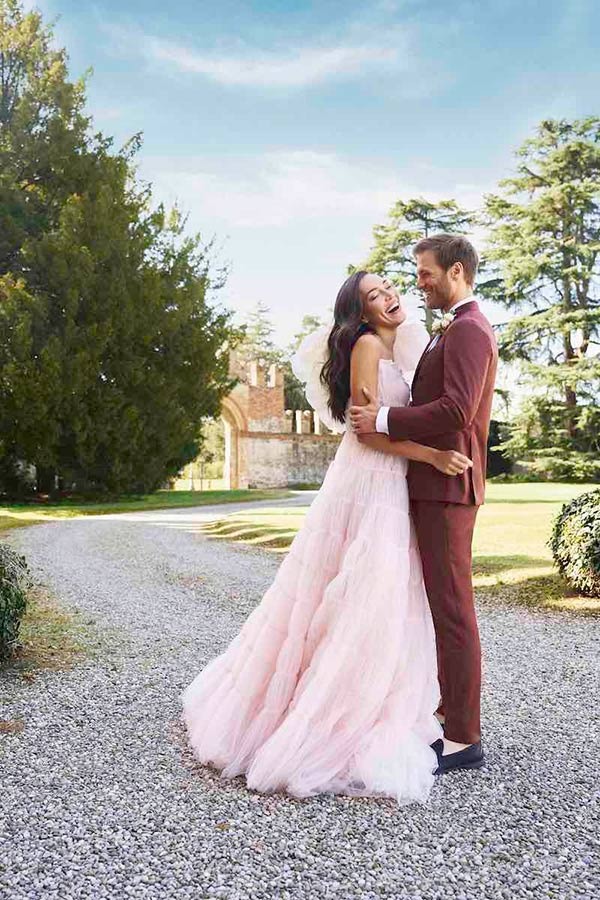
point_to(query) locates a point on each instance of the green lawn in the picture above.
(511, 557)
(19, 514)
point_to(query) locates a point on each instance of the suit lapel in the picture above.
(423, 355)
(471, 306)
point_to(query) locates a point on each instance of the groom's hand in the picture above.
(363, 418)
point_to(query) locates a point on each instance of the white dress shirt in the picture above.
(381, 424)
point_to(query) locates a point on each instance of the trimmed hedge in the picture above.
(575, 543)
(14, 582)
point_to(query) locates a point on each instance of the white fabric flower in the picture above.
(411, 339)
(410, 342)
(307, 362)
(442, 324)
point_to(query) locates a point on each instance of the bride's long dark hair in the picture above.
(348, 327)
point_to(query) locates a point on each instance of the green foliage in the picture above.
(111, 351)
(544, 243)
(539, 441)
(211, 459)
(14, 583)
(258, 343)
(408, 222)
(575, 543)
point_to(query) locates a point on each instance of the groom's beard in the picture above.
(436, 301)
(439, 299)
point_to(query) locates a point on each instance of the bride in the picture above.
(331, 685)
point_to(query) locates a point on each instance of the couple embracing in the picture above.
(360, 670)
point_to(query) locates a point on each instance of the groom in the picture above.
(450, 409)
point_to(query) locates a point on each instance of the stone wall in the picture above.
(281, 460)
(271, 446)
(266, 445)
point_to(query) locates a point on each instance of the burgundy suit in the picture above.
(451, 405)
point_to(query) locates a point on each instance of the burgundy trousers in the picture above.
(445, 535)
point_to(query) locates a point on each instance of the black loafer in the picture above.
(470, 758)
(438, 748)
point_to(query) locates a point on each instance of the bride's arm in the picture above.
(364, 372)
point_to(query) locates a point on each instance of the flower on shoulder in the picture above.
(440, 325)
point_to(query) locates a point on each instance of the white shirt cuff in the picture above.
(381, 424)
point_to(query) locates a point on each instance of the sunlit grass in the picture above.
(535, 492)
(18, 515)
(50, 637)
(511, 556)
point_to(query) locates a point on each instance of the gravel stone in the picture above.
(100, 797)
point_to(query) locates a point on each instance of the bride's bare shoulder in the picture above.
(366, 355)
(368, 346)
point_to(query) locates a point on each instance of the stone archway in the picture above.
(235, 423)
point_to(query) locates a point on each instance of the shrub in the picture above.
(14, 582)
(559, 464)
(575, 543)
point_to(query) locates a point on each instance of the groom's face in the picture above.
(434, 281)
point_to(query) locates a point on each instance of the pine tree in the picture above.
(409, 221)
(258, 341)
(545, 243)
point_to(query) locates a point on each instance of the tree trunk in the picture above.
(571, 403)
(428, 312)
(46, 480)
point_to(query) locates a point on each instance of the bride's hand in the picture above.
(451, 462)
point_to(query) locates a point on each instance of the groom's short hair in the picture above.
(450, 249)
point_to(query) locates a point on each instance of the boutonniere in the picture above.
(440, 325)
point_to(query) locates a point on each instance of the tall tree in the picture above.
(258, 343)
(258, 339)
(408, 222)
(545, 242)
(110, 351)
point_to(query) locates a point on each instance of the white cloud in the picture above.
(298, 68)
(288, 65)
(285, 187)
(293, 220)
(276, 189)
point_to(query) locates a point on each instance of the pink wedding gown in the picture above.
(331, 684)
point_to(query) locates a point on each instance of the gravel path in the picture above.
(99, 797)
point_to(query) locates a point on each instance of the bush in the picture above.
(14, 582)
(517, 478)
(558, 464)
(575, 543)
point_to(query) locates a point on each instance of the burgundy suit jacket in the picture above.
(451, 406)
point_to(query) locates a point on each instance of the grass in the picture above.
(18, 515)
(51, 637)
(511, 558)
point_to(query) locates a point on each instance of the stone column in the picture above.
(227, 464)
(306, 422)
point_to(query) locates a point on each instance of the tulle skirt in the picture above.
(331, 685)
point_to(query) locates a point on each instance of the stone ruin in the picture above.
(266, 445)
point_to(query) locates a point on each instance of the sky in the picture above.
(287, 130)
